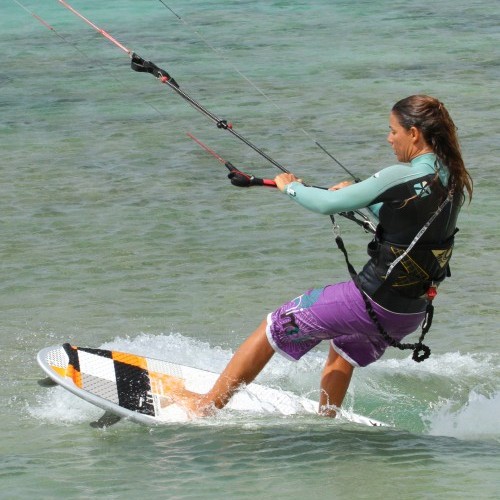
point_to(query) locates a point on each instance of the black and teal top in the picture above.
(403, 198)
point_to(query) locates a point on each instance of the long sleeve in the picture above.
(371, 191)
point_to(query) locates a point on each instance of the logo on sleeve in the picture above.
(422, 189)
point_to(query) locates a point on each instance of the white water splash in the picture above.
(60, 406)
(477, 419)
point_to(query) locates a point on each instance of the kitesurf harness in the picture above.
(420, 350)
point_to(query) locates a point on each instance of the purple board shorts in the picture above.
(337, 313)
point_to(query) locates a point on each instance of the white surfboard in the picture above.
(130, 386)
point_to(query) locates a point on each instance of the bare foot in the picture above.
(191, 401)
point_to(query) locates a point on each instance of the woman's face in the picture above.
(401, 140)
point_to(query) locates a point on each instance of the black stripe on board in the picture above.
(72, 356)
(134, 388)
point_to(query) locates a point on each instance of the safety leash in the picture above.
(420, 350)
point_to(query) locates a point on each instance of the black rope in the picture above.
(420, 350)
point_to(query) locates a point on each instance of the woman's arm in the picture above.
(353, 197)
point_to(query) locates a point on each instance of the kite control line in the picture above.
(141, 65)
(259, 90)
(237, 177)
(105, 34)
(242, 179)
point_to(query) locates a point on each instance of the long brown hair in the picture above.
(430, 116)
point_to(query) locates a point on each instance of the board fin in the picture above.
(47, 382)
(108, 419)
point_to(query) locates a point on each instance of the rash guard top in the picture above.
(404, 198)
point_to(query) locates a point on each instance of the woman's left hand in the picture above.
(340, 185)
(283, 179)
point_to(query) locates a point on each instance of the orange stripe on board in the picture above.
(60, 371)
(129, 359)
(165, 385)
(74, 375)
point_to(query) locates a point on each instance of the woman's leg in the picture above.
(244, 366)
(335, 381)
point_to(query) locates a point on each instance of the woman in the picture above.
(417, 207)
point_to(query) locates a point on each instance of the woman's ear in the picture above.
(415, 134)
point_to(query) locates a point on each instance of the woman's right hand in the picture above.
(283, 179)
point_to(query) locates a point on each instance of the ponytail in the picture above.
(430, 116)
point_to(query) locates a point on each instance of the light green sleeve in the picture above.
(353, 197)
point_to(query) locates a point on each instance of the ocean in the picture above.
(119, 231)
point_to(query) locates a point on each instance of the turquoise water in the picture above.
(118, 231)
